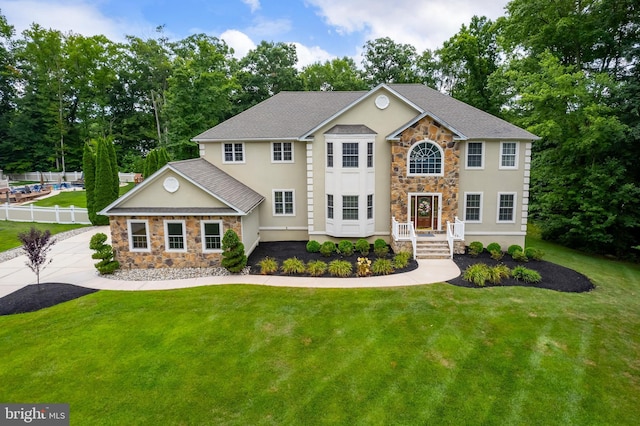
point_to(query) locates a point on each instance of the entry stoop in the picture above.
(432, 247)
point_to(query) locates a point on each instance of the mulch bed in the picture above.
(554, 277)
(35, 297)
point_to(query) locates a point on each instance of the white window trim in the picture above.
(464, 215)
(146, 227)
(515, 205)
(166, 236)
(482, 155)
(425, 174)
(517, 153)
(203, 235)
(273, 160)
(244, 153)
(273, 198)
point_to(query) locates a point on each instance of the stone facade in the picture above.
(157, 257)
(447, 185)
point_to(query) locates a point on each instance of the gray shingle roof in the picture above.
(228, 189)
(290, 115)
(350, 129)
(171, 211)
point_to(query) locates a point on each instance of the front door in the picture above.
(424, 212)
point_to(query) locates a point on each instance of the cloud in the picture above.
(309, 55)
(253, 4)
(269, 28)
(425, 25)
(239, 41)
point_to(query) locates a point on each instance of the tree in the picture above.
(337, 74)
(89, 173)
(386, 61)
(104, 192)
(156, 159)
(234, 258)
(104, 252)
(7, 88)
(36, 244)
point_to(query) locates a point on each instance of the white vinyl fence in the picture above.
(31, 213)
(57, 176)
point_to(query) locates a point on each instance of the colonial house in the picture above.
(401, 162)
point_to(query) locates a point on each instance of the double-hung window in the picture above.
(211, 235)
(369, 154)
(175, 237)
(473, 207)
(475, 155)
(507, 207)
(329, 154)
(508, 155)
(350, 155)
(349, 207)
(370, 206)
(233, 152)
(329, 206)
(282, 152)
(283, 204)
(138, 235)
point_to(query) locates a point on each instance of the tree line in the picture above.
(564, 70)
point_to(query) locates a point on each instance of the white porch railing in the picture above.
(404, 232)
(55, 214)
(455, 231)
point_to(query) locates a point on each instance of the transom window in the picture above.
(138, 236)
(350, 154)
(212, 236)
(425, 159)
(472, 207)
(508, 155)
(349, 207)
(474, 155)
(234, 153)
(282, 152)
(329, 206)
(283, 202)
(174, 235)
(506, 207)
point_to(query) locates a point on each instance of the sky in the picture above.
(320, 29)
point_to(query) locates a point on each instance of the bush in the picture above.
(327, 248)
(293, 265)
(519, 256)
(363, 247)
(477, 274)
(340, 268)
(475, 248)
(513, 248)
(527, 275)
(494, 246)
(268, 265)
(104, 252)
(233, 257)
(364, 267)
(382, 266)
(496, 254)
(313, 246)
(345, 247)
(401, 259)
(499, 273)
(380, 247)
(534, 253)
(316, 268)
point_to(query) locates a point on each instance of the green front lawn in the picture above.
(9, 231)
(434, 354)
(74, 198)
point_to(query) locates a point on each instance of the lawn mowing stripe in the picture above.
(574, 401)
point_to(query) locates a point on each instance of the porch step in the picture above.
(432, 249)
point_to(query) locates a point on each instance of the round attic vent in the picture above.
(171, 184)
(382, 101)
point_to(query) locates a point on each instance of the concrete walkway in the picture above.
(71, 263)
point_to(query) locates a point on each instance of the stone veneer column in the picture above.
(447, 185)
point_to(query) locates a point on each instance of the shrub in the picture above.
(382, 266)
(527, 275)
(494, 246)
(104, 252)
(499, 273)
(313, 246)
(364, 267)
(519, 256)
(475, 248)
(340, 268)
(477, 274)
(401, 259)
(316, 268)
(233, 257)
(380, 247)
(293, 265)
(496, 254)
(345, 247)
(327, 248)
(363, 247)
(534, 253)
(513, 248)
(268, 265)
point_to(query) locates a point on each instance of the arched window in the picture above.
(425, 159)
